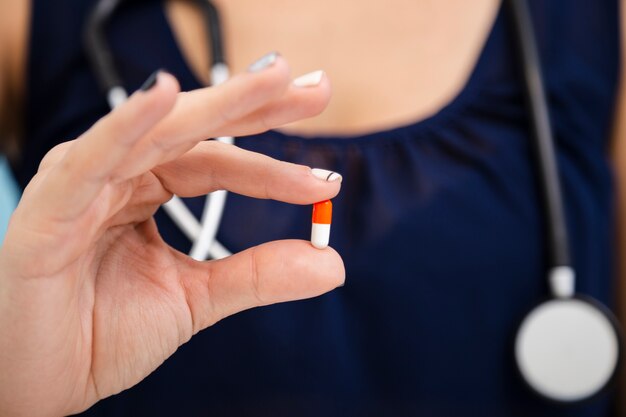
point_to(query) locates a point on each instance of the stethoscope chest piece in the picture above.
(568, 349)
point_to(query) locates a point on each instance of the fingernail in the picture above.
(326, 175)
(151, 81)
(263, 62)
(309, 80)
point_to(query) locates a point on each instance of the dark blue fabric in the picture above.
(438, 222)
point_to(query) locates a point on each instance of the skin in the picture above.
(435, 43)
(13, 39)
(125, 266)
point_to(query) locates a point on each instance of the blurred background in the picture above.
(9, 195)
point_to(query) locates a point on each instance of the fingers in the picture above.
(157, 126)
(296, 104)
(199, 114)
(248, 103)
(214, 166)
(202, 112)
(73, 183)
(267, 274)
(146, 197)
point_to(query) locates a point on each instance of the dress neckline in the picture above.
(459, 101)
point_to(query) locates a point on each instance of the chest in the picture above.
(389, 62)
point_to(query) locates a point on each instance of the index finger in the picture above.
(79, 176)
(212, 166)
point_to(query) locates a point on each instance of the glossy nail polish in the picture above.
(151, 81)
(264, 62)
(309, 80)
(326, 175)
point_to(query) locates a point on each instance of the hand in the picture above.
(91, 298)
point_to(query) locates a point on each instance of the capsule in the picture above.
(320, 229)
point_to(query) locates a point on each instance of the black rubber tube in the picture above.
(541, 133)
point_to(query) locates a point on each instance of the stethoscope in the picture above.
(567, 348)
(201, 233)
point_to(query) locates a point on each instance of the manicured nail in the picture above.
(309, 80)
(151, 81)
(263, 62)
(326, 175)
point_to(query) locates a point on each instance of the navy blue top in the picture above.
(439, 223)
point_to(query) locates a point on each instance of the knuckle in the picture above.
(255, 278)
(54, 155)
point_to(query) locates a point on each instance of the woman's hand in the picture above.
(91, 298)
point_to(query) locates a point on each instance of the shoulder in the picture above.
(14, 29)
(14, 19)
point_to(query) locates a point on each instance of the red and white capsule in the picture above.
(322, 218)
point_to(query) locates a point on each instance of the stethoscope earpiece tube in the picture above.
(99, 54)
(214, 33)
(542, 133)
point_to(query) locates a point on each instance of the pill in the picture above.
(320, 229)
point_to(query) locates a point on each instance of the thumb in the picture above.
(270, 273)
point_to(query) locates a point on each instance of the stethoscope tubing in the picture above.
(560, 272)
(216, 201)
(202, 234)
